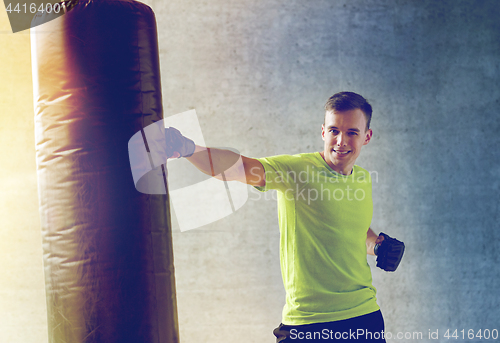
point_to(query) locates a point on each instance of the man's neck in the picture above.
(346, 171)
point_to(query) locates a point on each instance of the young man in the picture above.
(325, 210)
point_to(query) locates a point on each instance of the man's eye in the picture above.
(353, 133)
(334, 132)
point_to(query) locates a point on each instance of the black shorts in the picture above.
(366, 328)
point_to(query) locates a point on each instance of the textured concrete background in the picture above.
(258, 74)
(23, 314)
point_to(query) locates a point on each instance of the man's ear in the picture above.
(323, 131)
(368, 136)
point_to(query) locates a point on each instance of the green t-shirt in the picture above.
(324, 217)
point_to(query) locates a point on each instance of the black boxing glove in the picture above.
(176, 142)
(389, 253)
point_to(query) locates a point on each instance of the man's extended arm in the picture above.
(222, 164)
(226, 165)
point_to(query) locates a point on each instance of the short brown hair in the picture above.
(345, 101)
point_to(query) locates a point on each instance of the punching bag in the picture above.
(107, 247)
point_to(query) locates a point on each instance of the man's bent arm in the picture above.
(371, 240)
(224, 165)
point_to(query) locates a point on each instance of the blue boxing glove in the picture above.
(177, 143)
(389, 253)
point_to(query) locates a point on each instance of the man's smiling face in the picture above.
(344, 133)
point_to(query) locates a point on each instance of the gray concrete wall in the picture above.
(258, 74)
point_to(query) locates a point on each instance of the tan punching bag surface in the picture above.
(107, 247)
